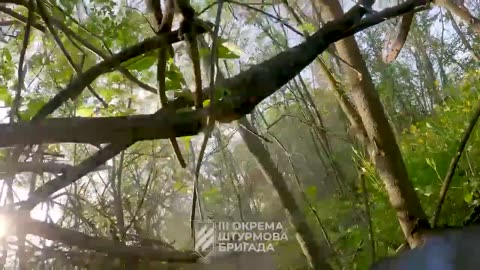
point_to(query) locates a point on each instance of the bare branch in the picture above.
(70, 176)
(403, 31)
(21, 68)
(49, 167)
(72, 238)
(100, 130)
(247, 89)
(453, 165)
(462, 12)
(21, 18)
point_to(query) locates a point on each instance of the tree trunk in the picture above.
(385, 152)
(305, 235)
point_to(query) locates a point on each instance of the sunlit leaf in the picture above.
(85, 111)
(308, 27)
(7, 55)
(5, 96)
(33, 106)
(206, 102)
(144, 63)
(186, 142)
(226, 53)
(468, 197)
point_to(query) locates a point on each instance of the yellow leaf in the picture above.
(413, 129)
(206, 102)
(233, 48)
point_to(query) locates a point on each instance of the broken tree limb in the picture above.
(98, 130)
(247, 89)
(396, 45)
(47, 167)
(42, 193)
(76, 87)
(459, 10)
(69, 237)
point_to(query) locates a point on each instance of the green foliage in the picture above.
(33, 106)
(175, 79)
(141, 62)
(429, 145)
(232, 177)
(308, 27)
(5, 96)
(228, 50)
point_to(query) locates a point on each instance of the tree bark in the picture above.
(458, 9)
(386, 154)
(305, 235)
(462, 36)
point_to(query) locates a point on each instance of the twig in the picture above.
(453, 165)
(21, 72)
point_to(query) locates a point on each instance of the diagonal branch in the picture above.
(86, 78)
(453, 165)
(68, 177)
(462, 12)
(260, 81)
(47, 167)
(399, 42)
(247, 89)
(72, 238)
(65, 29)
(46, 18)
(462, 37)
(21, 68)
(21, 18)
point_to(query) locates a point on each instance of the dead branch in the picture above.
(72, 238)
(247, 89)
(399, 42)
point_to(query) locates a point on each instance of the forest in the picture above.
(235, 134)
